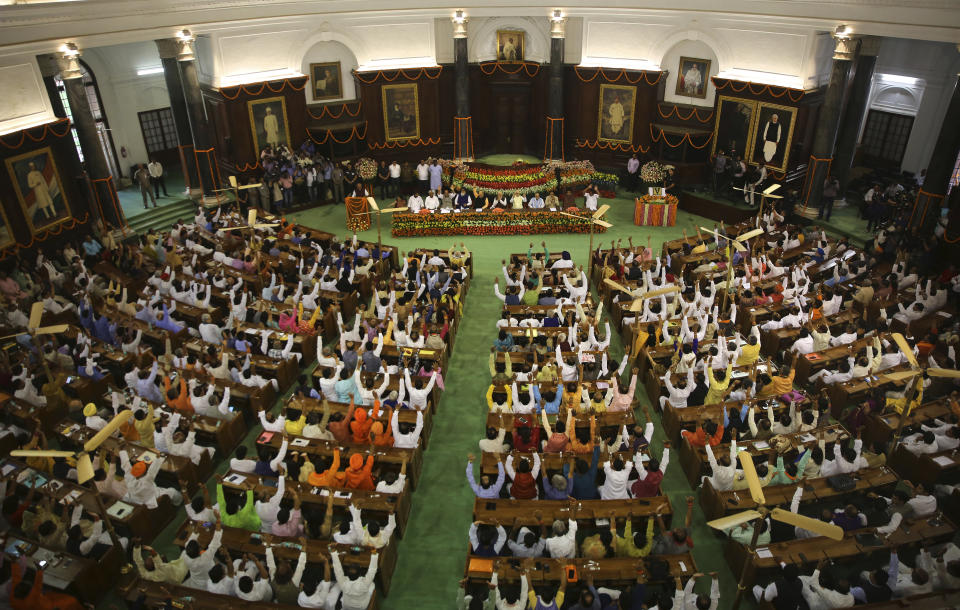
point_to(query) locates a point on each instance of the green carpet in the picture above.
(132, 201)
(433, 551)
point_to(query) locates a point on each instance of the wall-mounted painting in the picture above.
(268, 123)
(615, 121)
(692, 77)
(39, 189)
(772, 135)
(510, 45)
(401, 112)
(327, 81)
(6, 234)
(733, 130)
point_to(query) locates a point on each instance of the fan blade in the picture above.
(393, 210)
(770, 189)
(636, 305)
(737, 188)
(937, 372)
(51, 330)
(602, 223)
(13, 335)
(121, 418)
(266, 226)
(905, 348)
(750, 234)
(373, 203)
(738, 246)
(599, 213)
(84, 468)
(710, 231)
(36, 313)
(252, 217)
(660, 291)
(41, 453)
(617, 286)
(773, 196)
(570, 215)
(899, 375)
(834, 532)
(750, 473)
(249, 186)
(733, 520)
(232, 180)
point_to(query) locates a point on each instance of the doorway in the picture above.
(511, 117)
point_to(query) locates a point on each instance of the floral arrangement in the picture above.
(525, 222)
(606, 182)
(511, 180)
(652, 172)
(366, 168)
(576, 173)
(358, 223)
(658, 200)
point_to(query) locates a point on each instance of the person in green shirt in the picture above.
(234, 515)
(791, 473)
(629, 545)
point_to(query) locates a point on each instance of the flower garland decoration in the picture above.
(367, 168)
(651, 172)
(658, 200)
(526, 222)
(604, 179)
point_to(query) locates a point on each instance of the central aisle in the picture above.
(433, 551)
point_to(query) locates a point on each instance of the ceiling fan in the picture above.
(33, 324)
(736, 242)
(236, 188)
(638, 295)
(901, 342)
(251, 225)
(84, 464)
(594, 221)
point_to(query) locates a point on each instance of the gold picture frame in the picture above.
(326, 79)
(508, 49)
(702, 67)
(615, 114)
(733, 128)
(6, 232)
(38, 185)
(761, 152)
(261, 129)
(401, 112)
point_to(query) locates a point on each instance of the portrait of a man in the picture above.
(615, 122)
(327, 81)
(732, 131)
(401, 112)
(692, 77)
(39, 189)
(268, 123)
(772, 136)
(510, 45)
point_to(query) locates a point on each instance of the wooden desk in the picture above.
(505, 512)
(613, 571)
(880, 427)
(155, 595)
(717, 504)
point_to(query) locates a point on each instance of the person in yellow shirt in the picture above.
(630, 544)
(537, 601)
(295, 420)
(782, 383)
(750, 351)
(718, 385)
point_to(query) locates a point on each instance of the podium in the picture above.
(358, 214)
(655, 211)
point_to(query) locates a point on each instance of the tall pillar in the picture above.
(553, 137)
(49, 68)
(104, 191)
(169, 49)
(825, 134)
(859, 96)
(204, 154)
(462, 121)
(930, 198)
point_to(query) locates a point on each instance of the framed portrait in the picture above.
(615, 120)
(510, 45)
(268, 123)
(6, 235)
(39, 189)
(327, 80)
(401, 112)
(772, 135)
(692, 77)
(733, 129)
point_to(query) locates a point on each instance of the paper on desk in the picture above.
(300, 442)
(683, 567)
(346, 495)
(806, 438)
(761, 445)
(7, 469)
(943, 460)
(764, 553)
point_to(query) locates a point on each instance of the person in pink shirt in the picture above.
(622, 401)
(289, 521)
